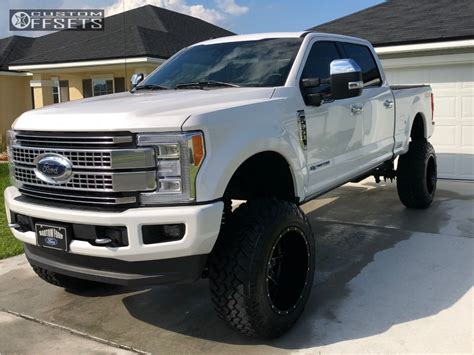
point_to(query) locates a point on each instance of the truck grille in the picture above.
(106, 169)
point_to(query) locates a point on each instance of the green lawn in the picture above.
(9, 246)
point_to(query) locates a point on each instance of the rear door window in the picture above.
(363, 56)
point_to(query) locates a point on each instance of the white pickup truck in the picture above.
(136, 188)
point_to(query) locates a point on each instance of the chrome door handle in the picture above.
(357, 109)
(388, 103)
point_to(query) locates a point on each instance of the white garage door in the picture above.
(453, 88)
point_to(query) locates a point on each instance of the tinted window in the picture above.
(363, 57)
(249, 63)
(317, 65)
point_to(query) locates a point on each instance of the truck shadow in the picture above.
(390, 291)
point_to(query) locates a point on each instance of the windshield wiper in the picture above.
(150, 87)
(202, 84)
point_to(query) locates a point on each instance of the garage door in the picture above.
(453, 88)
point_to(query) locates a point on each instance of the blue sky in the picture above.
(240, 16)
(286, 15)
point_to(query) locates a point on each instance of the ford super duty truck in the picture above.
(136, 188)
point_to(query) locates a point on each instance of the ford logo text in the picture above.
(53, 168)
(51, 241)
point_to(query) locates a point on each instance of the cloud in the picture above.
(209, 14)
(231, 8)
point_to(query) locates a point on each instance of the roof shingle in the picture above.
(144, 31)
(397, 22)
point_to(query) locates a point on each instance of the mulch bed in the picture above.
(3, 156)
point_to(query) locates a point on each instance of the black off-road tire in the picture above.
(417, 175)
(265, 240)
(67, 282)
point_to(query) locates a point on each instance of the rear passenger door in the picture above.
(378, 108)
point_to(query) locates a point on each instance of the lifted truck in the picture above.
(136, 188)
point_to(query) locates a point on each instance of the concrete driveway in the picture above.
(389, 280)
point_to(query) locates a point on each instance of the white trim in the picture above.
(90, 63)
(41, 83)
(11, 73)
(449, 59)
(425, 46)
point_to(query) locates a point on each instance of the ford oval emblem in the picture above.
(53, 168)
(51, 241)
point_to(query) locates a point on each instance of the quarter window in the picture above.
(363, 56)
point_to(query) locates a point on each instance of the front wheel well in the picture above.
(266, 174)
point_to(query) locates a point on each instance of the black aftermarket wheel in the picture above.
(262, 267)
(417, 175)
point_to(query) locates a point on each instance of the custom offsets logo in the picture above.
(56, 20)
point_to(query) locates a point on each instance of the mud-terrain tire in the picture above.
(417, 175)
(67, 282)
(262, 267)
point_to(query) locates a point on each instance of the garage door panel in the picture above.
(453, 89)
(446, 164)
(445, 107)
(444, 136)
(466, 107)
(466, 166)
(467, 136)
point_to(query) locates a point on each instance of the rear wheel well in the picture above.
(265, 174)
(418, 128)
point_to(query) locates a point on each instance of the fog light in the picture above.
(162, 233)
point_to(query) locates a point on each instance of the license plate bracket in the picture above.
(53, 236)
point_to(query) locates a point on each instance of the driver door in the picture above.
(334, 129)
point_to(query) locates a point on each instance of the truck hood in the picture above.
(139, 112)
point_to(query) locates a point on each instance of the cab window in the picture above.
(363, 56)
(317, 64)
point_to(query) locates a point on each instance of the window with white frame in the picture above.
(60, 90)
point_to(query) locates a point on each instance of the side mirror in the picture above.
(136, 79)
(346, 79)
(309, 83)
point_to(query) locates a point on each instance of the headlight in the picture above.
(178, 159)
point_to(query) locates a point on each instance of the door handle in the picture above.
(357, 109)
(388, 103)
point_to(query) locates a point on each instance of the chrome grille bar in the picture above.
(91, 181)
(85, 139)
(90, 158)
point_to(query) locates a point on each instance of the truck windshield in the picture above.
(262, 63)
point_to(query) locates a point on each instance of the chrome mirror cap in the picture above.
(136, 79)
(341, 66)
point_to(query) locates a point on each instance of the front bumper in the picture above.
(202, 228)
(112, 271)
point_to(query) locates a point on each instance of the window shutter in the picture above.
(119, 84)
(87, 88)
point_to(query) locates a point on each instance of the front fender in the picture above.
(235, 134)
